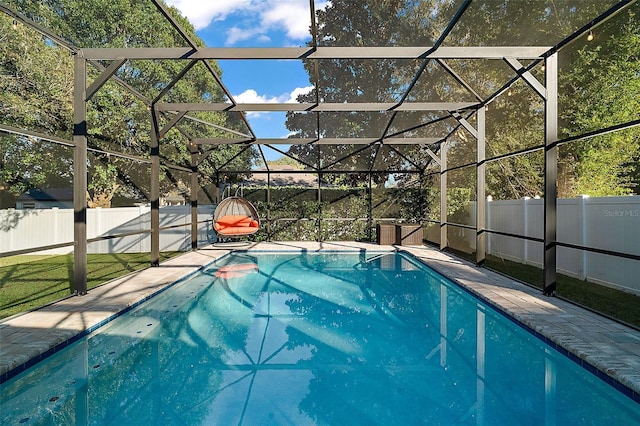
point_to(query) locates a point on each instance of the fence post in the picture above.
(585, 230)
(142, 240)
(525, 225)
(489, 227)
(56, 225)
(98, 230)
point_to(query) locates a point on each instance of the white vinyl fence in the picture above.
(607, 223)
(25, 229)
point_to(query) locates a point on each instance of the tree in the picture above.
(34, 93)
(598, 88)
(400, 23)
(602, 89)
(103, 186)
(363, 23)
(39, 91)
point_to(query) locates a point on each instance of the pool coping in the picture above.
(608, 349)
(28, 338)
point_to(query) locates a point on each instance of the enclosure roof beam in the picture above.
(104, 77)
(323, 107)
(369, 52)
(433, 156)
(459, 79)
(173, 82)
(437, 44)
(463, 121)
(174, 120)
(527, 76)
(321, 141)
(35, 135)
(146, 101)
(39, 28)
(580, 32)
(162, 8)
(216, 126)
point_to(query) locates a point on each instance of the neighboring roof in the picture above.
(53, 194)
(174, 197)
(283, 179)
(429, 93)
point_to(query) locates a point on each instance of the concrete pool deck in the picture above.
(605, 346)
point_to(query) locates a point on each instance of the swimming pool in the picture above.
(312, 338)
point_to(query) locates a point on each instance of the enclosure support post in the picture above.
(525, 220)
(481, 206)
(370, 217)
(319, 209)
(268, 206)
(550, 174)
(481, 355)
(443, 196)
(194, 196)
(423, 204)
(155, 188)
(80, 176)
(80, 376)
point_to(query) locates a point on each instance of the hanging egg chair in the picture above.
(235, 217)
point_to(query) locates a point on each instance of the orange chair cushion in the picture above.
(235, 271)
(234, 220)
(237, 230)
(235, 224)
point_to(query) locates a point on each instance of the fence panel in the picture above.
(608, 223)
(613, 223)
(26, 229)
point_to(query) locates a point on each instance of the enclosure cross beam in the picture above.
(550, 175)
(80, 176)
(155, 188)
(443, 196)
(194, 187)
(481, 205)
(320, 52)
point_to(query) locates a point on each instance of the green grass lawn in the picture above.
(30, 281)
(608, 301)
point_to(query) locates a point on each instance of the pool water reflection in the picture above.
(312, 338)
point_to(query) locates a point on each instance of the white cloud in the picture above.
(290, 16)
(250, 96)
(236, 34)
(264, 38)
(202, 13)
(293, 96)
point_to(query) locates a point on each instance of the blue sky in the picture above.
(256, 23)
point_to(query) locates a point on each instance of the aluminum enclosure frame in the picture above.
(549, 94)
(461, 111)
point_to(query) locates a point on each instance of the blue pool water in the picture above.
(329, 339)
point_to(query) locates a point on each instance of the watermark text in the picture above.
(622, 213)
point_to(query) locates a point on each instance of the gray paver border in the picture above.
(614, 360)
